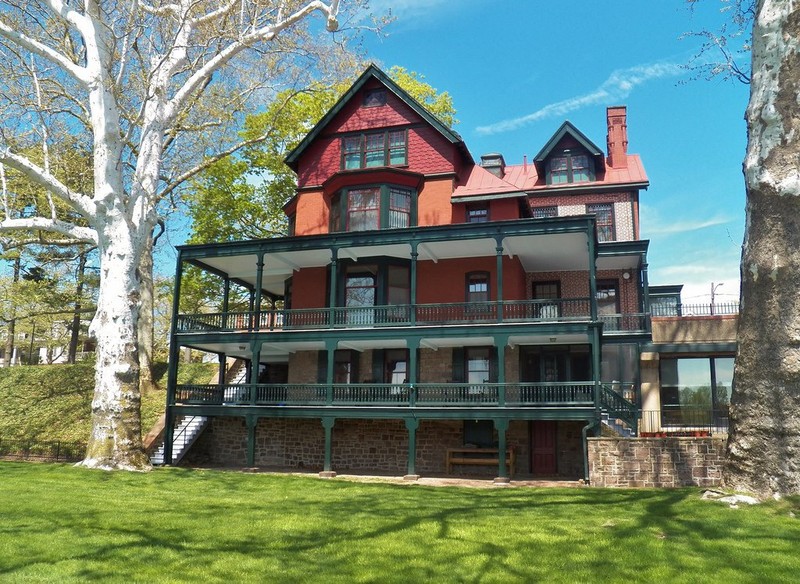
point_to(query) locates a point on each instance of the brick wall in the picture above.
(656, 462)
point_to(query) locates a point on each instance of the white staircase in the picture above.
(187, 431)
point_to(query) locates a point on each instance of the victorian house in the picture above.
(429, 313)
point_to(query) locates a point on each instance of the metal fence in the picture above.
(46, 451)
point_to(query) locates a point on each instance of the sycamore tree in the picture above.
(151, 88)
(764, 441)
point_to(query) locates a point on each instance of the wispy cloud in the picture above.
(686, 226)
(618, 86)
(406, 9)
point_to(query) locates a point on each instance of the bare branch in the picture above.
(78, 233)
(81, 203)
(42, 50)
(263, 34)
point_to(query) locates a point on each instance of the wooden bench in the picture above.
(480, 457)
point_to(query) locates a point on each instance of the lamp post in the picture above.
(713, 290)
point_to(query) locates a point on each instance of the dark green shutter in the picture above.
(458, 365)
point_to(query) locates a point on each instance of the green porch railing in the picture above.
(401, 315)
(565, 394)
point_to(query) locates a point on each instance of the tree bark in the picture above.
(764, 441)
(116, 440)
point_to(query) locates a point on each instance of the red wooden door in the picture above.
(543, 447)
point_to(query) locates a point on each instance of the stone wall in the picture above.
(369, 445)
(656, 462)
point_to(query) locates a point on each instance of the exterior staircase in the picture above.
(618, 414)
(188, 428)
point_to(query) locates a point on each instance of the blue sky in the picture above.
(516, 69)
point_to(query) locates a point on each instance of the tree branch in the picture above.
(42, 50)
(80, 234)
(265, 33)
(81, 203)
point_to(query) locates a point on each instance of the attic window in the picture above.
(374, 97)
(567, 167)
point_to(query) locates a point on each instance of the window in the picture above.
(291, 224)
(396, 366)
(567, 167)
(607, 297)
(375, 149)
(478, 287)
(479, 433)
(478, 213)
(345, 368)
(695, 391)
(374, 97)
(546, 291)
(477, 372)
(360, 295)
(544, 212)
(363, 209)
(368, 208)
(605, 220)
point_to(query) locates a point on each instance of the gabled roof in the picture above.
(373, 72)
(567, 129)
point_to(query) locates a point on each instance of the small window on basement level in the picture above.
(374, 97)
(478, 213)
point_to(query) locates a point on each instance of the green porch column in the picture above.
(412, 424)
(501, 425)
(596, 367)
(334, 278)
(172, 366)
(226, 294)
(327, 424)
(413, 291)
(259, 284)
(499, 251)
(330, 348)
(251, 422)
(592, 273)
(645, 292)
(501, 341)
(413, 370)
(221, 374)
(255, 358)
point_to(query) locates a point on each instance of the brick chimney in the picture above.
(494, 163)
(617, 138)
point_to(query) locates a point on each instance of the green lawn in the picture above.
(64, 524)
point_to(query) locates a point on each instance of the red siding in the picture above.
(308, 288)
(446, 281)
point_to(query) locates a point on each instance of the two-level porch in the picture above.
(411, 353)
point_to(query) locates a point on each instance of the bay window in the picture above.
(372, 207)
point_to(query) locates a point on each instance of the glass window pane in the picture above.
(723, 368)
(397, 148)
(374, 154)
(399, 208)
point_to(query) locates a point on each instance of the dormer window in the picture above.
(375, 149)
(568, 167)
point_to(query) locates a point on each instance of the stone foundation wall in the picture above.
(656, 462)
(369, 445)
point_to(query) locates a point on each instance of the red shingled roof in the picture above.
(519, 178)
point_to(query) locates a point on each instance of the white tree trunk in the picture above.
(116, 441)
(764, 442)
